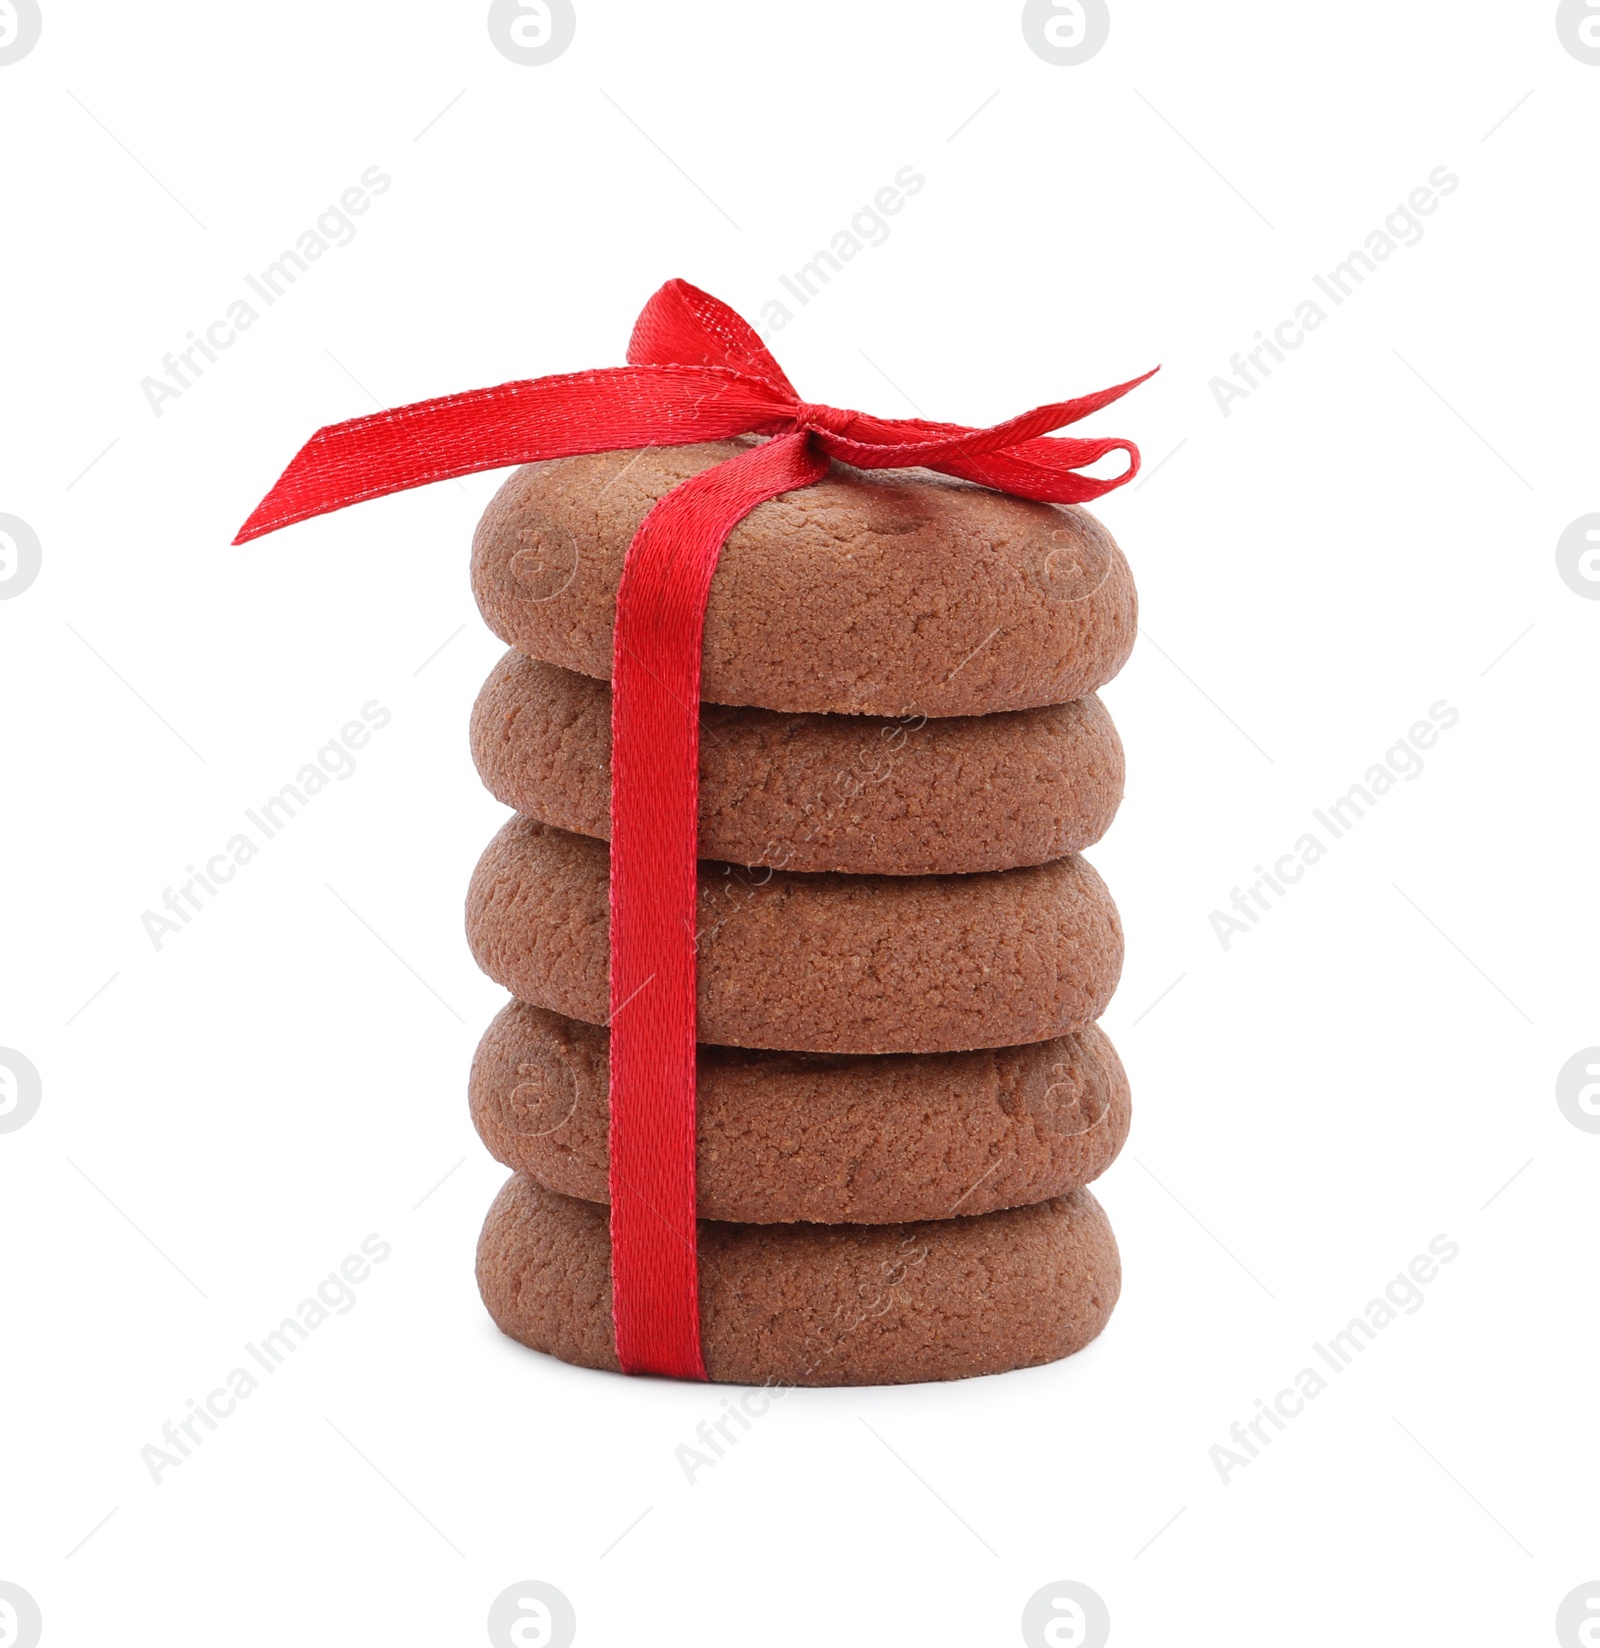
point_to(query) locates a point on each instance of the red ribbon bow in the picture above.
(697, 372)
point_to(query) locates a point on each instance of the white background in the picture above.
(1365, 1069)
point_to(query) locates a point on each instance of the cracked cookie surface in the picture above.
(816, 963)
(857, 794)
(805, 1304)
(895, 593)
(784, 1137)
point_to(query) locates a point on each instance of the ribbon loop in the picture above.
(682, 325)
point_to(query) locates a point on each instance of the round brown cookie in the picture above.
(821, 1304)
(856, 794)
(816, 963)
(863, 1139)
(898, 592)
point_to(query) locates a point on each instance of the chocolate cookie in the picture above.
(816, 963)
(808, 1304)
(899, 592)
(863, 1139)
(857, 794)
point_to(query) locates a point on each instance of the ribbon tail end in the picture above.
(267, 517)
(1132, 384)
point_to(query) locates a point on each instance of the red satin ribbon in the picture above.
(696, 372)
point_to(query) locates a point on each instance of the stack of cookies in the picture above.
(902, 1090)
